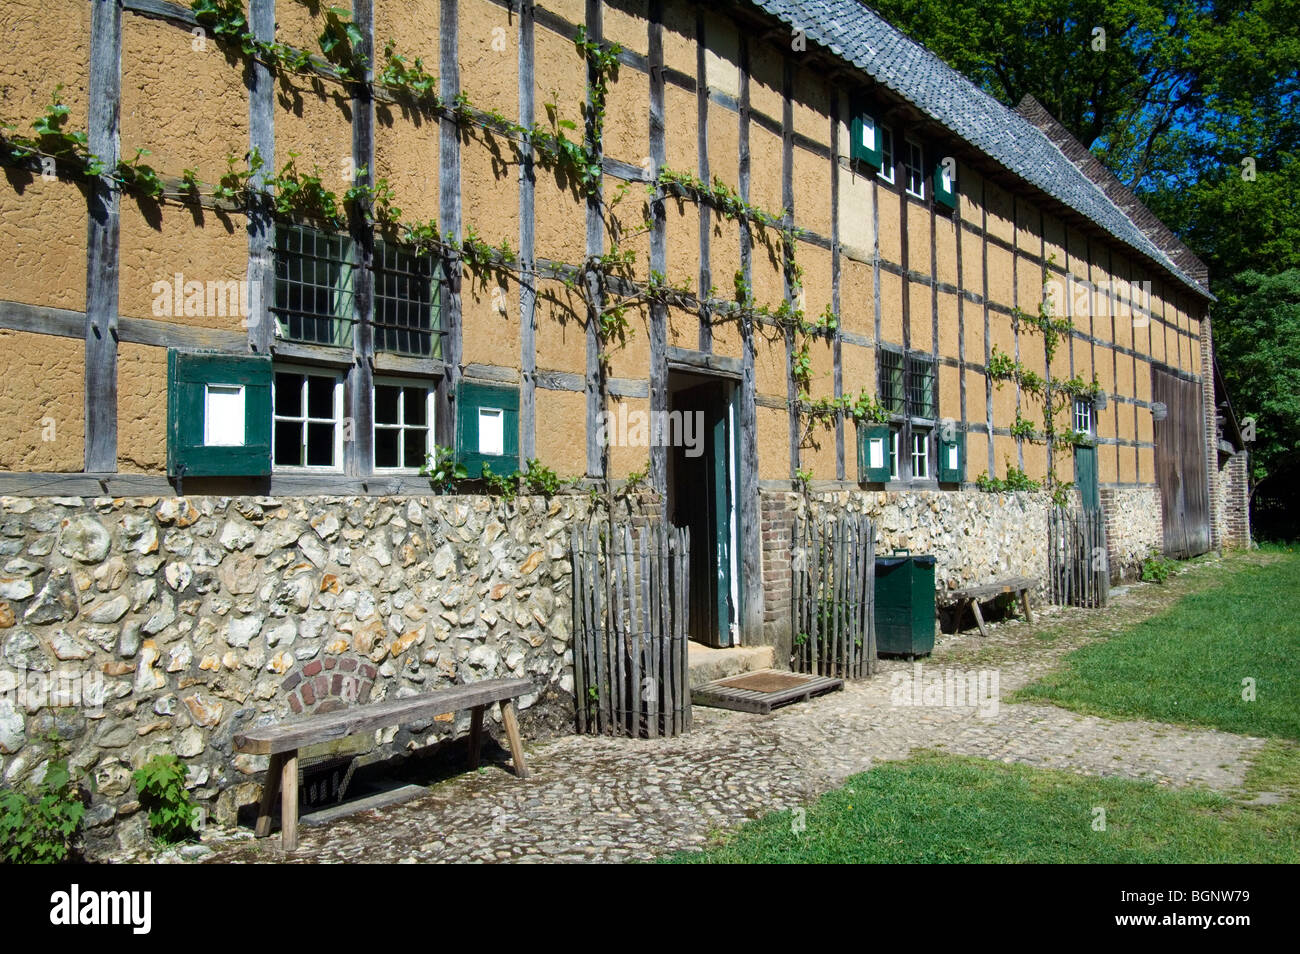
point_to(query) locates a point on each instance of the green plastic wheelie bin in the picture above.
(905, 604)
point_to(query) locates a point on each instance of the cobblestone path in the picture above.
(602, 799)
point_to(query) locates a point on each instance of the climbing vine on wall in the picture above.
(607, 283)
(1053, 397)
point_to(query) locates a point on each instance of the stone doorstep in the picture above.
(708, 664)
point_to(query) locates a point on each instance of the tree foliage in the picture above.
(1169, 89)
(1258, 344)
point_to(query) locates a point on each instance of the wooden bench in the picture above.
(282, 742)
(1019, 585)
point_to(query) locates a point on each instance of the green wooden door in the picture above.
(1085, 476)
(721, 541)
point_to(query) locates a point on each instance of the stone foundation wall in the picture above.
(1134, 528)
(976, 537)
(195, 618)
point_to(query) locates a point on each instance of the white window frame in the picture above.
(888, 161)
(337, 420)
(402, 427)
(1084, 414)
(920, 452)
(914, 151)
(895, 435)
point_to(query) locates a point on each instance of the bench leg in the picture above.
(1024, 602)
(475, 735)
(289, 801)
(269, 791)
(979, 617)
(960, 617)
(512, 734)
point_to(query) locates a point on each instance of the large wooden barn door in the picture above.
(1180, 465)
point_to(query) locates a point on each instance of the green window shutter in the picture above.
(473, 397)
(864, 142)
(197, 381)
(945, 186)
(952, 459)
(873, 453)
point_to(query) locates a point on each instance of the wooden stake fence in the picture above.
(630, 607)
(834, 591)
(1080, 572)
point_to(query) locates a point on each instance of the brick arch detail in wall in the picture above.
(329, 684)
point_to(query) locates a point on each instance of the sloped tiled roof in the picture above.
(1121, 196)
(862, 37)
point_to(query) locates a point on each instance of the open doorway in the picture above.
(702, 496)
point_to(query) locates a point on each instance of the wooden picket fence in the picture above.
(834, 592)
(630, 614)
(1080, 574)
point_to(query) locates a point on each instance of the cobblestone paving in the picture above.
(604, 799)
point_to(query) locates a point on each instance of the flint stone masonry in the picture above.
(976, 537)
(202, 616)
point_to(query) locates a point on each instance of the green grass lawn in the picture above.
(1185, 665)
(938, 808)
(1188, 664)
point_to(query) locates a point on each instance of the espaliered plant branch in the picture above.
(53, 148)
(1052, 396)
(606, 284)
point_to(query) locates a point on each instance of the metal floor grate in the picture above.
(763, 690)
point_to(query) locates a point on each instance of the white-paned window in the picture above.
(1083, 416)
(403, 424)
(308, 419)
(886, 154)
(920, 455)
(914, 163)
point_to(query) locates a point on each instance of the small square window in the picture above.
(914, 168)
(308, 420)
(402, 438)
(886, 155)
